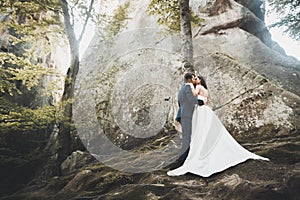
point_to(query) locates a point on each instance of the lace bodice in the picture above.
(202, 98)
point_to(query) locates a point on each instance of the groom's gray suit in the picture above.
(187, 103)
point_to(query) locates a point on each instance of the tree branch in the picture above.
(86, 20)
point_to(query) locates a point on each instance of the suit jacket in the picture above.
(186, 101)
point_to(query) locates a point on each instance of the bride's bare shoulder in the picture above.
(202, 88)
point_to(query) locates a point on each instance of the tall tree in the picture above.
(63, 142)
(27, 21)
(177, 16)
(288, 12)
(186, 35)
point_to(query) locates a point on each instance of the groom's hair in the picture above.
(188, 76)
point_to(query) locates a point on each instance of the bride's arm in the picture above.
(197, 90)
(204, 92)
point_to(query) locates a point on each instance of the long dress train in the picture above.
(212, 148)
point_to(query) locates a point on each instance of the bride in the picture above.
(212, 148)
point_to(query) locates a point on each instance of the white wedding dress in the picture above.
(212, 148)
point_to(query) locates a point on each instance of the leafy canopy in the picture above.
(18, 118)
(288, 12)
(110, 25)
(26, 27)
(168, 12)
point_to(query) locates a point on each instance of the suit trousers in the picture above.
(186, 125)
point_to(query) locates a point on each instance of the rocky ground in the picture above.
(253, 179)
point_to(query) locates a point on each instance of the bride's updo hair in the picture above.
(203, 82)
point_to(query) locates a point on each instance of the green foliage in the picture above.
(115, 23)
(120, 15)
(168, 12)
(17, 118)
(7, 86)
(14, 69)
(288, 12)
(30, 18)
(27, 27)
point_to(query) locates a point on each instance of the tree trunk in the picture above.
(186, 34)
(60, 146)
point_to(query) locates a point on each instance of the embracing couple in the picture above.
(207, 147)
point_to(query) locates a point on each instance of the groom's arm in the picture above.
(190, 97)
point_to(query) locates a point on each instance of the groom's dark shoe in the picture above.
(184, 155)
(179, 161)
(175, 164)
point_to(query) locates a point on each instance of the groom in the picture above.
(187, 103)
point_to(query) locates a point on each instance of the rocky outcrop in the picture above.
(134, 79)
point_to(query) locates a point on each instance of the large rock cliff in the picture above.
(253, 86)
